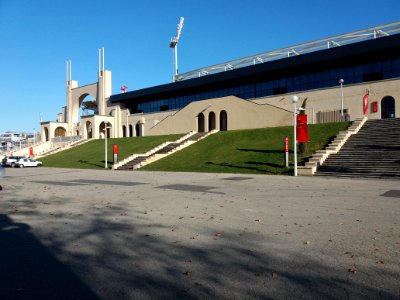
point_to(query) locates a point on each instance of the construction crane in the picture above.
(173, 44)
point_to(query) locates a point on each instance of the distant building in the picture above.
(253, 92)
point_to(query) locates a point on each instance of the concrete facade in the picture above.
(227, 113)
(326, 100)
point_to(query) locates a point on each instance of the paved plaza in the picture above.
(94, 234)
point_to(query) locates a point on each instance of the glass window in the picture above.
(377, 67)
(325, 76)
(367, 68)
(335, 74)
(386, 65)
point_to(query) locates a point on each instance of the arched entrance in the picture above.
(137, 130)
(223, 121)
(89, 131)
(124, 132)
(200, 123)
(46, 134)
(130, 130)
(103, 131)
(59, 132)
(388, 107)
(211, 121)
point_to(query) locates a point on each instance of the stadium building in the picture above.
(343, 77)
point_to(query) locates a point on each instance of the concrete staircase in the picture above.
(137, 161)
(373, 152)
(320, 156)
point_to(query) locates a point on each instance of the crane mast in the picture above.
(174, 45)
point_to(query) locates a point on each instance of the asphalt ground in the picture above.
(93, 234)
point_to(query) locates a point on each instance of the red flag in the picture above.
(302, 129)
(124, 88)
(365, 103)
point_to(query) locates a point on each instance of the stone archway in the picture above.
(46, 134)
(200, 123)
(102, 130)
(211, 121)
(138, 130)
(87, 104)
(59, 131)
(223, 121)
(89, 129)
(130, 130)
(388, 107)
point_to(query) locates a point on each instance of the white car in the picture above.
(28, 162)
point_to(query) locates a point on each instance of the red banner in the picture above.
(30, 151)
(115, 148)
(302, 129)
(365, 104)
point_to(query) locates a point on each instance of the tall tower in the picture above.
(104, 85)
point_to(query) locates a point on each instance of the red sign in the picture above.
(115, 148)
(30, 151)
(374, 106)
(365, 103)
(302, 129)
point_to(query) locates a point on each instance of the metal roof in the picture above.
(326, 43)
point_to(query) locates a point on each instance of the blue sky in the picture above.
(37, 37)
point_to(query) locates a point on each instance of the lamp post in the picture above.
(105, 143)
(127, 123)
(294, 101)
(341, 102)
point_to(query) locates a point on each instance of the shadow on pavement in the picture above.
(29, 271)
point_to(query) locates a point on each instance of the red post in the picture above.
(286, 144)
(115, 151)
(286, 152)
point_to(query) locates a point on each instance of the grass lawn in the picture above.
(246, 151)
(91, 155)
(257, 151)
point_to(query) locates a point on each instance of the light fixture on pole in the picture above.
(341, 81)
(294, 101)
(105, 143)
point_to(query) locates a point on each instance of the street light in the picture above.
(294, 101)
(127, 123)
(105, 142)
(341, 102)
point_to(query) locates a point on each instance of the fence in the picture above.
(332, 116)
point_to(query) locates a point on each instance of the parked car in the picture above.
(10, 160)
(28, 162)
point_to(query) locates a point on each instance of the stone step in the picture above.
(373, 152)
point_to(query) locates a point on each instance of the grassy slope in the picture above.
(245, 151)
(239, 151)
(91, 154)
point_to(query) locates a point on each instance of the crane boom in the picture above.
(175, 39)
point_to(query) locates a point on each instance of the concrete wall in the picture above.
(241, 114)
(330, 99)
